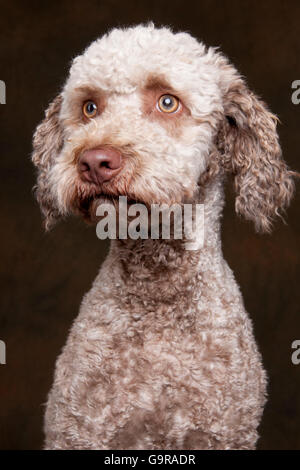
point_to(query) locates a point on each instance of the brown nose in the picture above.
(99, 164)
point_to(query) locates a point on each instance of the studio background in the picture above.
(44, 276)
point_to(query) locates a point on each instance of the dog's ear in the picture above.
(249, 143)
(47, 143)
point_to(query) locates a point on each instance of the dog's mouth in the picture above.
(105, 198)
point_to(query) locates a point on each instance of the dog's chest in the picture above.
(150, 370)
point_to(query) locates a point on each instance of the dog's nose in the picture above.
(99, 164)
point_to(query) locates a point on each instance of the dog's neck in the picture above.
(165, 268)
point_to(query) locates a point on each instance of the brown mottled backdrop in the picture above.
(43, 276)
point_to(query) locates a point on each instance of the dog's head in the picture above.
(153, 115)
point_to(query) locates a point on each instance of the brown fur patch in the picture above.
(248, 141)
(47, 143)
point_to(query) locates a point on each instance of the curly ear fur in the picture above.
(47, 143)
(262, 180)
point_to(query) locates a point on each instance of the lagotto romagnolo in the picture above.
(162, 354)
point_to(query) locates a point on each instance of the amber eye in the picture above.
(89, 109)
(168, 104)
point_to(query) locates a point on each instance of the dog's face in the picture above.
(141, 115)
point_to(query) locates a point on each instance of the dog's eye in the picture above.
(89, 109)
(168, 104)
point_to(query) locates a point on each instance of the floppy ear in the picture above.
(249, 143)
(47, 143)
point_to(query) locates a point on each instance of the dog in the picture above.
(162, 354)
